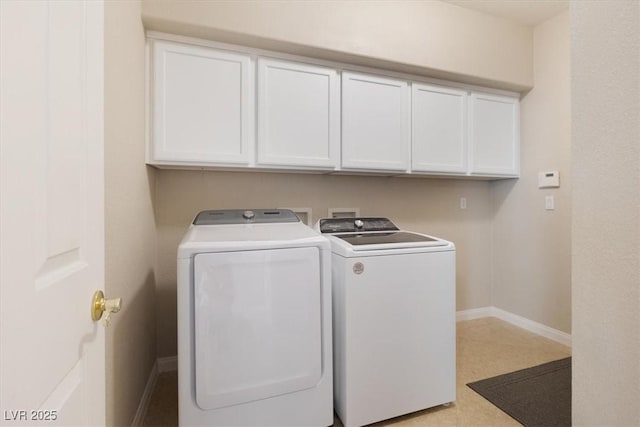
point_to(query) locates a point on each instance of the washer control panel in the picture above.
(346, 225)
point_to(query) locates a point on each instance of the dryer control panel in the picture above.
(245, 216)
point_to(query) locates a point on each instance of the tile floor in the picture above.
(486, 347)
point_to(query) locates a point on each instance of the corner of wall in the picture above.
(531, 263)
(130, 236)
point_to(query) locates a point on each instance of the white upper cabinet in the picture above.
(375, 123)
(439, 129)
(494, 135)
(202, 106)
(213, 105)
(298, 115)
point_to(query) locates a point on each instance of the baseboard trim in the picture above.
(162, 364)
(474, 313)
(516, 320)
(146, 397)
(167, 364)
(531, 326)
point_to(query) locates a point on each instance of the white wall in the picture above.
(130, 237)
(605, 102)
(532, 246)
(422, 37)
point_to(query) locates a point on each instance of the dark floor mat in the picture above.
(535, 397)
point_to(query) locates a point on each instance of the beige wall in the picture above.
(129, 218)
(532, 246)
(426, 205)
(429, 37)
(440, 41)
(422, 37)
(605, 88)
(505, 236)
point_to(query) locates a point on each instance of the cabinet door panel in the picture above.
(375, 122)
(298, 114)
(439, 129)
(202, 105)
(494, 135)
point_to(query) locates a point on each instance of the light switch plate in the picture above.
(549, 203)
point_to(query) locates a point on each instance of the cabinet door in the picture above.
(439, 129)
(298, 115)
(375, 122)
(494, 135)
(202, 106)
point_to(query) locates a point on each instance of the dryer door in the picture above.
(257, 324)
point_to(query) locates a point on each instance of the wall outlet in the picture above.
(463, 203)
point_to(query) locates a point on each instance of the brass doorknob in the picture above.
(100, 305)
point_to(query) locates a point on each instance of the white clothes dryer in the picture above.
(393, 319)
(254, 321)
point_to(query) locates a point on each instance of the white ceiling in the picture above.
(525, 12)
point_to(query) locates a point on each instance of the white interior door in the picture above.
(51, 213)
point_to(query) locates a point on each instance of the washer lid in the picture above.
(388, 240)
(357, 239)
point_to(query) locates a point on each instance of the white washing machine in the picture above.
(254, 321)
(393, 319)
